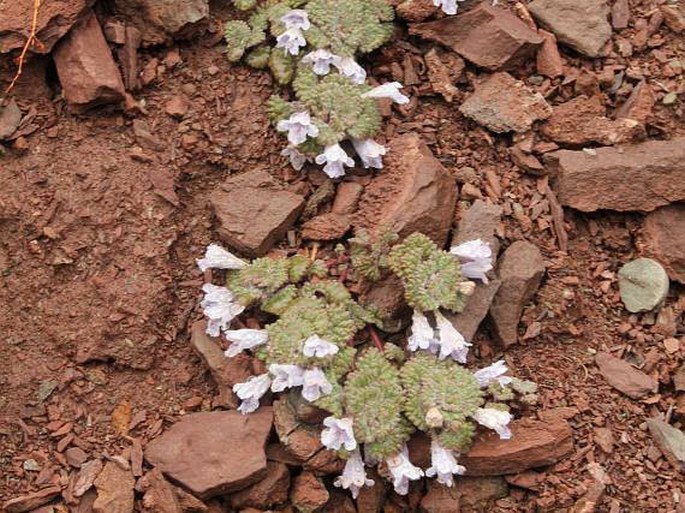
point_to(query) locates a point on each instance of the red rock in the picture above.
(415, 10)
(176, 107)
(533, 444)
(444, 70)
(31, 501)
(526, 162)
(529, 480)
(674, 17)
(468, 320)
(468, 492)
(254, 212)
(308, 493)
(86, 69)
(548, 59)
(582, 121)
(347, 198)
(267, 493)
(639, 177)
(371, 498)
(671, 442)
(639, 104)
(160, 496)
(515, 111)
(115, 31)
(340, 502)
(115, 490)
(86, 476)
(328, 226)
(128, 58)
(75, 456)
(520, 270)
(624, 377)
(207, 454)
(663, 237)
(490, 37)
(620, 14)
(188, 502)
(387, 295)
(415, 193)
(300, 440)
(605, 439)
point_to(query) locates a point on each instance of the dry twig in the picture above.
(29, 41)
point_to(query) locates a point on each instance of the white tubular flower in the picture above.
(291, 41)
(353, 477)
(422, 333)
(491, 373)
(443, 465)
(447, 6)
(497, 420)
(296, 19)
(402, 470)
(370, 152)
(316, 346)
(390, 90)
(452, 343)
(315, 384)
(286, 376)
(338, 433)
(217, 257)
(244, 339)
(219, 307)
(321, 61)
(475, 257)
(350, 68)
(335, 159)
(251, 392)
(299, 126)
(297, 158)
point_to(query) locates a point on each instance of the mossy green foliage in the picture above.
(370, 257)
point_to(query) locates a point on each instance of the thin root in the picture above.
(29, 41)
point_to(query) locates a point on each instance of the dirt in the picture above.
(99, 286)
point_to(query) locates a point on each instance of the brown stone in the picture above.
(477, 493)
(10, 117)
(663, 237)
(207, 453)
(115, 489)
(415, 10)
(254, 212)
(674, 17)
(605, 439)
(160, 496)
(86, 69)
(31, 501)
(515, 111)
(671, 442)
(387, 295)
(548, 60)
(624, 377)
(639, 104)
(444, 70)
(128, 58)
(415, 193)
(488, 36)
(188, 502)
(529, 480)
(468, 320)
(533, 444)
(639, 177)
(340, 502)
(86, 476)
(481, 221)
(176, 107)
(75, 456)
(371, 498)
(620, 14)
(527, 162)
(300, 440)
(347, 198)
(582, 121)
(328, 226)
(308, 493)
(520, 270)
(267, 493)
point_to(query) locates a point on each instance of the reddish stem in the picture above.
(375, 338)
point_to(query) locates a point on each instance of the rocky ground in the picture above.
(554, 130)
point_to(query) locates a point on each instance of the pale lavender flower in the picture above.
(338, 433)
(370, 152)
(291, 41)
(443, 465)
(335, 159)
(315, 384)
(402, 470)
(316, 346)
(286, 376)
(493, 372)
(297, 19)
(475, 257)
(353, 477)
(251, 392)
(244, 339)
(321, 61)
(217, 257)
(299, 126)
(219, 307)
(350, 68)
(389, 90)
(422, 333)
(497, 420)
(447, 6)
(452, 343)
(297, 158)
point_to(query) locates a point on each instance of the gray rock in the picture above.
(10, 117)
(581, 24)
(624, 377)
(468, 320)
(643, 284)
(481, 221)
(670, 440)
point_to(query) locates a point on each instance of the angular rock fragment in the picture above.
(10, 117)
(581, 24)
(415, 10)
(620, 14)
(639, 177)
(548, 59)
(670, 440)
(415, 193)
(468, 320)
(521, 269)
(643, 285)
(159, 496)
(624, 377)
(328, 226)
(481, 221)
(444, 69)
(639, 104)
(347, 198)
(31, 501)
(267, 493)
(674, 16)
(488, 36)
(515, 111)
(115, 490)
(86, 69)
(254, 212)
(527, 162)
(308, 493)
(663, 238)
(207, 452)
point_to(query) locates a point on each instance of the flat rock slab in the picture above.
(581, 24)
(643, 285)
(267, 493)
(624, 377)
(670, 440)
(467, 492)
(481, 221)
(663, 238)
(10, 117)
(214, 453)
(414, 193)
(515, 111)
(31, 501)
(254, 212)
(639, 177)
(114, 486)
(468, 320)
(490, 37)
(533, 444)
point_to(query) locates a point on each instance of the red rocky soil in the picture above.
(103, 214)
